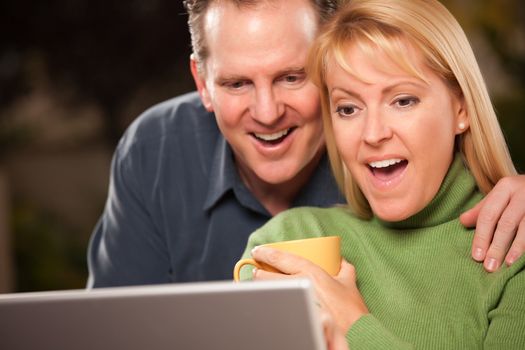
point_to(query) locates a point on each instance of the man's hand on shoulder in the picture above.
(500, 224)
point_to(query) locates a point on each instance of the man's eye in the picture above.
(235, 84)
(293, 78)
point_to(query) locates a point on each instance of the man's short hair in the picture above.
(197, 11)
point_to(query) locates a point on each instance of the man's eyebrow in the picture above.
(238, 77)
(292, 70)
(230, 77)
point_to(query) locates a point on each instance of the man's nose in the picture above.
(268, 106)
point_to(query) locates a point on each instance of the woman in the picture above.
(413, 141)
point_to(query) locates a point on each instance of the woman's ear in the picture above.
(462, 119)
(200, 83)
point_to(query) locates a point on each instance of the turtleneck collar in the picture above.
(457, 193)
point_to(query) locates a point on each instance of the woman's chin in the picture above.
(392, 213)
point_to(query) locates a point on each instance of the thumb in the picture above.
(470, 217)
(347, 274)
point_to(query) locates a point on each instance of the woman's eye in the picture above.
(346, 111)
(406, 101)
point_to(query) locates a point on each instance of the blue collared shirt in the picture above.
(177, 210)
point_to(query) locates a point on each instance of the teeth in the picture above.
(272, 137)
(385, 163)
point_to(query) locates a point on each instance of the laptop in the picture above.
(205, 315)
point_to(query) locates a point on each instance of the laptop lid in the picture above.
(207, 315)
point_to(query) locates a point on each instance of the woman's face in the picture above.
(395, 132)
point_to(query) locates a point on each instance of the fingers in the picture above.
(469, 218)
(262, 275)
(504, 235)
(518, 246)
(489, 211)
(338, 295)
(285, 262)
(334, 336)
(499, 229)
(347, 274)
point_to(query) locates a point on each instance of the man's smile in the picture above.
(273, 138)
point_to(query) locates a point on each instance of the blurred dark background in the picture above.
(74, 74)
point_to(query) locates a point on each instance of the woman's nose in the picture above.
(376, 128)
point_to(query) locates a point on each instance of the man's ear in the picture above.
(200, 82)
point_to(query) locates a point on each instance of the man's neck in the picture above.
(279, 197)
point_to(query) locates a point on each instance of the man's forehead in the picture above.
(274, 36)
(218, 8)
(250, 4)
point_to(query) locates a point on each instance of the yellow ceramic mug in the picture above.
(322, 251)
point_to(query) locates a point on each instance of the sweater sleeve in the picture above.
(369, 333)
(507, 319)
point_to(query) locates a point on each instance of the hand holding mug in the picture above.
(337, 292)
(324, 252)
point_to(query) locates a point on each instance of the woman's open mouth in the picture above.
(388, 169)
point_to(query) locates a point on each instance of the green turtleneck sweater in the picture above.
(419, 282)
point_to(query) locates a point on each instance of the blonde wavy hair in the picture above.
(430, 28)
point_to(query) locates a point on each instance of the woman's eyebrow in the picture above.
(390, 88)
(345, 91)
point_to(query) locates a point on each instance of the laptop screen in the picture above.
(207, 315)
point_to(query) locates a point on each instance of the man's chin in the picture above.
(278, 176)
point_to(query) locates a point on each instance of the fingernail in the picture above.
(254, 271)
(478, 254)
(511, 258)
(254, 249)
(492, 264)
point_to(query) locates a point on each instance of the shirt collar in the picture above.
(321, 190)
(222, 175)
(225, 178)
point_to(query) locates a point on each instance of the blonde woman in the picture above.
(413, 141)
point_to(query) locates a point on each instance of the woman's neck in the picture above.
(458, 192)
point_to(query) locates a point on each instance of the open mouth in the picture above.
(387, 169)
(274, 138)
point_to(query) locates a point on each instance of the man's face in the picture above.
(254, 81)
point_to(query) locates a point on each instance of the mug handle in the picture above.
(240, 264)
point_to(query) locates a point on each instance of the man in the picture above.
(195, 175)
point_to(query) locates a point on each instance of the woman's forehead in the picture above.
(398, 58)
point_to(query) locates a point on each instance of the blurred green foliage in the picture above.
(48, 255)
(511, 113)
